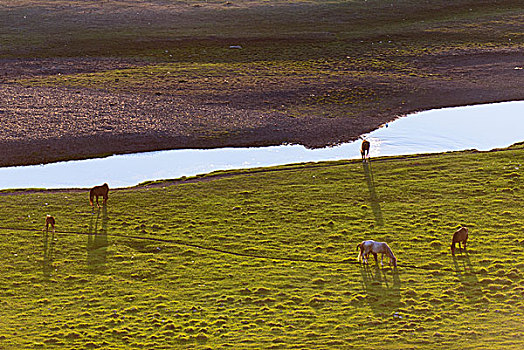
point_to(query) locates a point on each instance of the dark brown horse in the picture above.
(461, 235)
(99, 191)
(49, 221)
(364, 149)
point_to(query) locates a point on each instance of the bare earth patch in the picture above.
(43, 124)
(76, 81)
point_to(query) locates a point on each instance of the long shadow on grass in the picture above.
(375, 205)
(49, 242)
(468, 278)
(382, 288)
(97, 241)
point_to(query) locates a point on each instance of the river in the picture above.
(481, 127)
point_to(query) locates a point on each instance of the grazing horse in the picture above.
(49, 221)
(99, 191)
(372, 247)
(364, 149)
(461, 235)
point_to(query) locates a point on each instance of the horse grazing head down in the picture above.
(375, 248)
(49, 221)
(364, 149)
(98, 191)
(461, 235)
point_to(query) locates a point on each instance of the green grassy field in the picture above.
(197, 31)
(267, 259)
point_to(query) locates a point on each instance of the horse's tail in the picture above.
(359, 248)
(91, 196)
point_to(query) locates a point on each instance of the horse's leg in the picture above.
(367, 256)
(360, 256)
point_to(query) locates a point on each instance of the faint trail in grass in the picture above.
(245, 255)
(198, 246)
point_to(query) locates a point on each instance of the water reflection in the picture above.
(375, 204)
(382, 287)
(97, 242)
(482, 127)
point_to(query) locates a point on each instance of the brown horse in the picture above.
(461, 235)
(364, 149)
(99, 191)
(49, 221)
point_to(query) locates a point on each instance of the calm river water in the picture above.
(481, 127)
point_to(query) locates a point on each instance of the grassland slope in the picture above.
(266, 258)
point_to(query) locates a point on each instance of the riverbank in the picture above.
(435, 131)
(99, 90)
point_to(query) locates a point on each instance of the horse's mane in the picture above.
(99, 189)
(390, 252)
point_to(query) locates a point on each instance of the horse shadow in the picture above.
(49, 244)
(382, 288)
(375, 204)
(97, 242)
(467, 276)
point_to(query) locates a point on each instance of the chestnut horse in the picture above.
(364, 149)
(49, 221)
(461, 235)
(97, 191)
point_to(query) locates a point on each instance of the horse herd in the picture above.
(375, 248)
(366, 247)
(97, 191)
